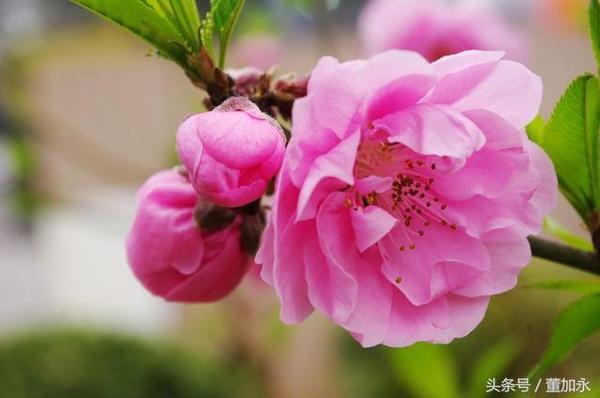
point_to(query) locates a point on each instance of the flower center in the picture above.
(407, 188)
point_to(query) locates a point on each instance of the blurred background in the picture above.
(86, 116)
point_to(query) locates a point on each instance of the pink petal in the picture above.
(509, 253)
(464, 314)
(238, 197)
(377, 73)
(329, 172)
(369, 322)
(266, 252)
(458, 62)
(218, 276)
(164, 233)
(441, 321)
(506, 88)
(545, 196)
(399, 94)
(289, 275)
(284, 268)
(373, 183)
(433, 130)
(329, 83)
(237, 139)
(439, 246)
(331, 288)
(370, 225)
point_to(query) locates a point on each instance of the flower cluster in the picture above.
(403, 200)
(198, 226)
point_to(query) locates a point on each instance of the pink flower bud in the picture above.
(232, 152)
(171, 256)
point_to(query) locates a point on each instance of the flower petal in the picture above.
(218, 276)
(370, 225)
(461, 61)
(329, 172)
(412, 270)
(509, 253)
(506, 88)
(432, 130)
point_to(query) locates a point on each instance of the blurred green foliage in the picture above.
(24, 199)
(77, 364)
(427, 370)
(571, 138)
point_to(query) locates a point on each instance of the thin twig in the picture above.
(566, 255)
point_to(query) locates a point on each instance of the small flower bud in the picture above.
(171, 256)
(231, 152)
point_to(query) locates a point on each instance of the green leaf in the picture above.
(492, 363)
(561, 233)
(587, 286)
(206, 34)
(144, 20)
(183, 15)
(225, 14)
(426, 370)
(574, 324)
(571, 141)
(594, 28)
(535, 130)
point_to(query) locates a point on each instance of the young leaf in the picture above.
(143, 20)
(535, 130)
(594, 28)
(574, 324)
(206, 34)
(492, 363)
(561, 233)
(441, 378)
(225, 14)
(571, 141)
(183, 15)
(591, 286)
(186, 17)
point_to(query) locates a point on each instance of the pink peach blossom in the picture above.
(169, 253)
(407, 194)
(232, 152)
(435, 28)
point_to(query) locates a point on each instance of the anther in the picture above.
(398, 280)
(412, 246)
